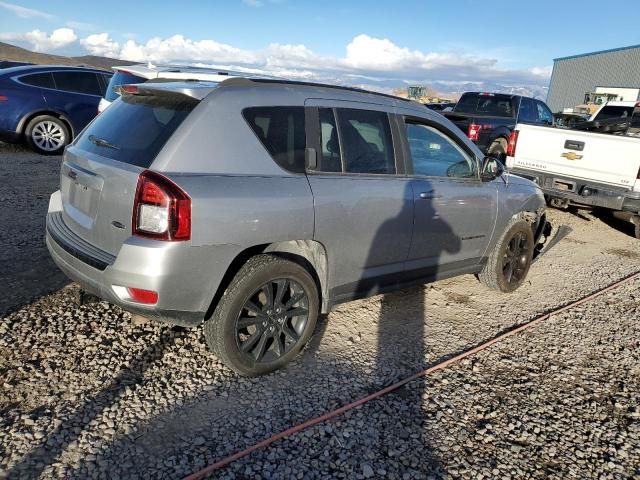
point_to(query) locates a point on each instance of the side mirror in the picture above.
(492, 168)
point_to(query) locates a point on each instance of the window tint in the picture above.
(44, 80)
(120, 78)
(611, 111)
(485, 104)
(527, 113)
(77, 82)
(435, 155)
(281, 131)
(135, 128)
(366, 141)
(544, 114)
(330, 156)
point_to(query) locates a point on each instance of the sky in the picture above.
(511, 43)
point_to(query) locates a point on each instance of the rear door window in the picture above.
(44, 80)
(365, 136)
(281, 131)
(77, 82)
(134, 129)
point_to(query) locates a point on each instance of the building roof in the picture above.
(597, 53)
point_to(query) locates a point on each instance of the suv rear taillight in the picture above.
(161, 209)
(474, 132)
(513, 143)
(3, 98)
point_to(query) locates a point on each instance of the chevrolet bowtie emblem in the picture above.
(571, 156)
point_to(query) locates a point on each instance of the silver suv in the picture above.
(254, 205)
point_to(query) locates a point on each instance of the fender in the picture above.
(22, 124)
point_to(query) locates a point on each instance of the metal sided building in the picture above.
(574, 76)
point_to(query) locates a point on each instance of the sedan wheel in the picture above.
(47, 135)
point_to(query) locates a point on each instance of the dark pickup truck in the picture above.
(489, 118)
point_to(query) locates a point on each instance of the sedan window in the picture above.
(78, 82)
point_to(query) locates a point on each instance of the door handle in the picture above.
(429, 195)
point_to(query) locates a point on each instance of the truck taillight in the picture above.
(161, 209)
(474, 132)
(513, 143)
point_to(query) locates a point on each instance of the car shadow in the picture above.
(618, 224)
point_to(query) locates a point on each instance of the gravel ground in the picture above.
(85, 393)
(26, 181)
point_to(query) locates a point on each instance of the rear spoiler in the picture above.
(194, 89)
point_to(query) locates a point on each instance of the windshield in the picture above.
(120, 78)
(486, 104)
(135, 128)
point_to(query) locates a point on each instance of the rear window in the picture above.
(486, 104)
(44, 80)
(614, 112)
(281, 131)
(120, 78)
(134, 129)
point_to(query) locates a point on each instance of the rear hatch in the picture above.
(100, 171)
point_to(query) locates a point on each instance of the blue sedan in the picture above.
(47, 106)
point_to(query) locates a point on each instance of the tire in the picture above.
(260, 339)
(498, 150)
(507, 266)
(47, 135)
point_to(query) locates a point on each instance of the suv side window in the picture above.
(281, 131)
(77, 82)
(44, 80)
(433, 154)
(330, 155)
(544, 114)
(365, 137)
(527, 113)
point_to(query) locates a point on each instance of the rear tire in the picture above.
(265, 317)
(510, 260)
(47, 135)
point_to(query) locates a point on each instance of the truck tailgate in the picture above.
(609, 159)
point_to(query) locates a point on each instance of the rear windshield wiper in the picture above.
(101, 142)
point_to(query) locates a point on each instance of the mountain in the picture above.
(18, 54)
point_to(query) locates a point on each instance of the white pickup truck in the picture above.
(581, 167)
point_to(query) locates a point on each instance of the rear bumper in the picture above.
(583, 192)
(185, 277)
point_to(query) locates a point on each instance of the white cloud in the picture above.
(260, 3)
(40, 41)
(178, 47)
(543, 72)
(24, 12)
(101, 44)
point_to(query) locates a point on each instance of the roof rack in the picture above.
(244, 81)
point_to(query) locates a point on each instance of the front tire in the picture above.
(47, 135)
(510, 260)
(265, 317)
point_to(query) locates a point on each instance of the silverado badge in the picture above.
(571, 156)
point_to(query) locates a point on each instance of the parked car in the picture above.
(489, 118)
(582, 167)
(611, 117)
(255, 205)
(135, 74)
(46, 106)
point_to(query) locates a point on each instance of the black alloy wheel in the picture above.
(272, 320)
